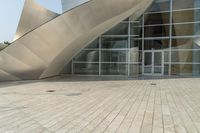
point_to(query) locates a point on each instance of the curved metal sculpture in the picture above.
(44, 51)
(33, 15)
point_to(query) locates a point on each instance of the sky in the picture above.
(10, 12)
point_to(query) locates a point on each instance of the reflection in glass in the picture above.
(156, 31)
(166, 56)
(88, 56)
(185, 29)
(114, 42)
(86, 68)
(156, 44)
(185, 69)
(148, 70)
(135, 56)
(120, 29)
(136, 29)
(166, 69)
(158, 70)
(183, 4)
(93, 45)
(160, 5)
(157, 58)
(135, 69)
(114, 56)
(182, 43)
(136, 44)
(186, 56)
(157, 18)
(67, 69)
(185, 16)
(114, 69)
(148, 59)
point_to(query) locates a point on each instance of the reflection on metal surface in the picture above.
(44, 51)
(69, 4)
(33, 15)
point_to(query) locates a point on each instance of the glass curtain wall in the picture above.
(185, 47)
(117, 52)
(171, 26)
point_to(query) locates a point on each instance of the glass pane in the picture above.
(156, 31)
(196, 56)
(157, 18)
(158, 70)
(114, 69)
(114, 43)
(135, 56)
(157, 59)
(148, 58)
(181, 56)
(136, 43)
(88, 56)
(186, 43)
(160, 5)
(147, 70)
(86, 68)
(67, 69)
(166, 69)
(186, 69)
(120, 29)
(185, 16)
(93, 45)
(135, 69)
(183, 4)
(156, 44)
(188, 56)
(186, 29)
(166, 56)
(136, 29)
(196, 43)
(114, 56)
(134, 18)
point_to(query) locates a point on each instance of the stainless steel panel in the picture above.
(33, 15)
(69, 4)
(4, 76)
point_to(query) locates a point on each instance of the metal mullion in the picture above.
(156, 12)
(154, 25)
(72, 66)
(187, 63)
(117, 36)
(182, 23)
(143, 44)
(182, 37)
(180, 50)
(156, 38)
(186, 9)
(163, 62)
(170, 40)
(129, 46)
(100, 55)
(152, 62)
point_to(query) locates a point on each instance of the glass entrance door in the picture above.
(153, 62)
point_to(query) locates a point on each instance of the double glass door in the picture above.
(153, 62)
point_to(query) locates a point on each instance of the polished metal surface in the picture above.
(33, 15)
(44, 51)
(69, 4)
(2, 46)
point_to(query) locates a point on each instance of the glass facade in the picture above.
(165, 40)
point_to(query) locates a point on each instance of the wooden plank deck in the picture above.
(129, 106)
